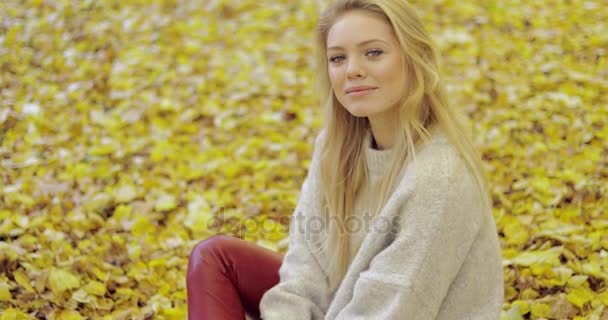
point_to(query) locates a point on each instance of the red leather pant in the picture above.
(227, 278)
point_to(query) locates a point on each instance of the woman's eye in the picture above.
(335, 59)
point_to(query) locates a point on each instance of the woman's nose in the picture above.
(354, 69)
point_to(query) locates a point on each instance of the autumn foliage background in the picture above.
(131, 129)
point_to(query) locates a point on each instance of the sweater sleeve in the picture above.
(302, 292)
(434, 231)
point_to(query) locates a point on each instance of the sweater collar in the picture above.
(377, 161)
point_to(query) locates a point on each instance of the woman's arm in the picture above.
(436, 228)
(302, 292)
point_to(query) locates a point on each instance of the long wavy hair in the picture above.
(423, 107)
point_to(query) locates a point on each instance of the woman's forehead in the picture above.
(356, 27)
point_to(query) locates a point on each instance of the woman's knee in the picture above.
(210, 246)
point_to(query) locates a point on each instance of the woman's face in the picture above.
(365, 64)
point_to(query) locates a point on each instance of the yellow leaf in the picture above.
(98, 202)
(69, 315)
(157, 262)
(593, 268)
(122, 211)
(515, 232)
(124, 292)
(231, 170)
(21, 220)
(61, 280)
(541, 310)
(199, 215)
(514, 313)
(563, 274)
(95, 288)
(5, 293)
(125, 193)
(542, 184)
(13, 314)
(529, 258)
(169, 105)
(142, 226)
(22, 279)
(174, 313)
(603, 297)
(541, 269)
(160, 151)
(267, 244)
(529, 294)
(164, 289)
(103, 149)
(81, 296)
(159, 302)
(273, 230)
(20, 198)
(580, 296)
(577, 281)
(510, 293)
(100, 274)
(522, 305)
(165, 202)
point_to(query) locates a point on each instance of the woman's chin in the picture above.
(358, 112)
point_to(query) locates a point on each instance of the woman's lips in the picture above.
(361, 92)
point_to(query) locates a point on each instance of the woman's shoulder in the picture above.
(440, 174)
(320, 137)
(437, 153)
(440, 163)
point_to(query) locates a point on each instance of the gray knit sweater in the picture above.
(432, 252)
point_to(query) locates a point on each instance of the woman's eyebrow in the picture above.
(362, 43)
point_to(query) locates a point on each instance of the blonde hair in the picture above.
(423, 106)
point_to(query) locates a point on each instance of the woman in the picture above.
(393, 220)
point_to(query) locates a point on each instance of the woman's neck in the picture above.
(383, 129)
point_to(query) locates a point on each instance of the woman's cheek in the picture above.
(385, 70)
(334, 76)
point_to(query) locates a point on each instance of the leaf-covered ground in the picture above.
(131, 129)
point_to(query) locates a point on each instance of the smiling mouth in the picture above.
(361, 92)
